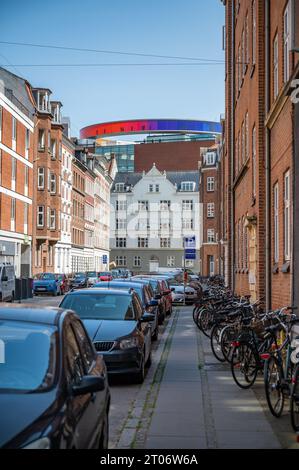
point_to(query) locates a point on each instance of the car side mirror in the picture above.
(147, 317)
(89, 384)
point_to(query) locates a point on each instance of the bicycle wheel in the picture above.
(205, 321)
(244, 365)
(295, 401)
(196, 312)
(228, 335)
(273, 379)
(215, 342)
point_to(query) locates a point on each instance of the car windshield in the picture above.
(47, 277)
(105, 274)
(27, 356)
(138, 289)
(100, 306)
(79, 276)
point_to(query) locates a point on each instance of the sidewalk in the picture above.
(198, 404)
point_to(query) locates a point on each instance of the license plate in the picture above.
(41, 288)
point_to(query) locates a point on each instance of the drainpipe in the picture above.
(232, 153)
(267, 158)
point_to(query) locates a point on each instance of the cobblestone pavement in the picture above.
(189, 400)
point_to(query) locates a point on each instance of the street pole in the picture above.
(184, 272)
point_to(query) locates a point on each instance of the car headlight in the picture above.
(129, 343)
(43, 443)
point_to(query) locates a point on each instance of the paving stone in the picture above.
(176, 443)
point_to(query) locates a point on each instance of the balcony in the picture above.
(42, 97)
(56, 111)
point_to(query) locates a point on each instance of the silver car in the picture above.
(178, 294)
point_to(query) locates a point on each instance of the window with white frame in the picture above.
(53, 183)
(143, 224)
(26, 180)
(287, 217)
(211, 264)
(157, 187)
(121, 224)
(120, 261)
(121, 205)
(275, 67)
(211, 235)
(188, 224)
(137, 261)
(53, 149)
(246, 136)
(170, 261)
(121, 242)
(187, 205)
(189, 263)
(210, 158)
(276, 222)
(142, 242)
(41, 139)
(165, 205)
(0, 166)
(151, 188)
(165, 242)
(40, 216)
(187, 186)
(1, 118)
(287, 41)
(210, 184)
(26, 210)
(243, 142)
(27, 143)
(211, 210)
(254, 162)
(40, 178)
(120, 187)
(14, 133)
(52, 219)
(13, 173)
(254, 32)
(13, 214)
(143, 205)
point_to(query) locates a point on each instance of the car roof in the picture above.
(100, 290)
(31, 313)
(116, 283)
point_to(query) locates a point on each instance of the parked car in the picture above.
(165, 283)
(46, 283)
(118, 325)
(7, 282)
(146, 296)
(53, 385)
(92, 277)
(105, 276)
(79, 281)
(179, 294)
(158, 294)
(63, 283)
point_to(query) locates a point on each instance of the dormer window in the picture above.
(188, 186)
(120, 187)
(210, 158)
(55, 110)
(43, 102)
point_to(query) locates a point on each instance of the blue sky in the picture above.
(188, 28)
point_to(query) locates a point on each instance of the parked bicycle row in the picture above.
(253, 342)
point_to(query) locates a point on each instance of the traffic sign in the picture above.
(105, 259)
(190, 242)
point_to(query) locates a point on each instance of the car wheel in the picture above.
(149, 360)
(104, 439)
(139, 377)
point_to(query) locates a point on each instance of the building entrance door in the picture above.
(252, 262)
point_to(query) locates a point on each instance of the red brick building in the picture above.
(16, 175)
(258, 152)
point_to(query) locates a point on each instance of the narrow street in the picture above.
(189, 400)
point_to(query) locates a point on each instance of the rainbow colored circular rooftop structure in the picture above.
(148, 126)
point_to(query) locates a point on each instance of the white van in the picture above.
(7, 282)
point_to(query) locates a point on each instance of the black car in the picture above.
(146, 294)
(118, 326)
(79, 281)
(53, 384)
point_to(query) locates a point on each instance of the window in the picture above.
(187, 224)
(243, 143)
(121, 242)
(245, 243)
(52, 219)
(188, 186)
(247, 42)
(1, 118)
(164, 242)
(26, 209)
(275, 67)
(211, 235)
(157, 188)
(27, 143)
(137, 261)
(246, 137)
(143, 224)
(287, 217)
(151, 188)
(121, 261)
(53, 183)
(154, 188)
(53, 149)
(0, 166)
(14, 133)
(187, 205)
(120, 224)
(165, 205)
(26, 182)
(13, 173)
(287, 41)
(41, 139)
(143, 205)
(41, 178)
(254, 163)
(40, 216)
(210, 184)
(142, 242)
(210, 158)
(120, 187)
(211, 265)
(121, 205)
(276, 223)
(13, 214)
(210, 210)
(170, 261)
(254, 32)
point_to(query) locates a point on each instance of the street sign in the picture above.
(190, 242)
(190, 256)
(105, 259)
